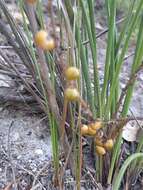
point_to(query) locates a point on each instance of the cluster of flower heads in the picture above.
(101, 145)
(72, 94)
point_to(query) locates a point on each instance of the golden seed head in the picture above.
(72, 94)
(109, 144)
(100, 150)
(72, 73)
(91, 131)
(84, 130)
(50, 44)
(98, 141)
(42, 41)
(31, 1)
(97, 125)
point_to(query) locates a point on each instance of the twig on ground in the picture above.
(94, 182)
(30, 173)
(6, 47)
(38, 174)
(9, 153)
(128, 56)
(7, 95)
(9, 186)
(66, 163)
(136, 119)
(24, 80)
(37, 186)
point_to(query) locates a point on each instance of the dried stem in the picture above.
(47, 83)
(124, 90)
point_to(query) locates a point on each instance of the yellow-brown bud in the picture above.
(96, 126)
(72, 73)
(98, 141)
(91, 131)
(72, 94)
(84, 130)
(42, 41)
(100, 150)
(109, 144)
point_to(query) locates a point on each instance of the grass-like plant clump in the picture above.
(62, 61)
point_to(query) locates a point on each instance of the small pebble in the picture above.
(39, 152)
(19, 157)
(16, 136)
(33, 167)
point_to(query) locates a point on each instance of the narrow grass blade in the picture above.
(121, 56)
(115, 155)
(136, 63)
(119, 177)
(109, 51)
(89, 23)
(82, 53)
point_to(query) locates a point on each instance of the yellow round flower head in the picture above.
(109, 144)
(72, 73)
(100, 150)
(42, 41)
(91, 131)
(97, 125)
(98, 141)
(72, 94)
(84, 130)
(50, 44)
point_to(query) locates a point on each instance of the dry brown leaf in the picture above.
(130, 131)
(8, 187)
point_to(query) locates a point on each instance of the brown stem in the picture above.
(47, 82)
(124, 90)
(64, 119)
